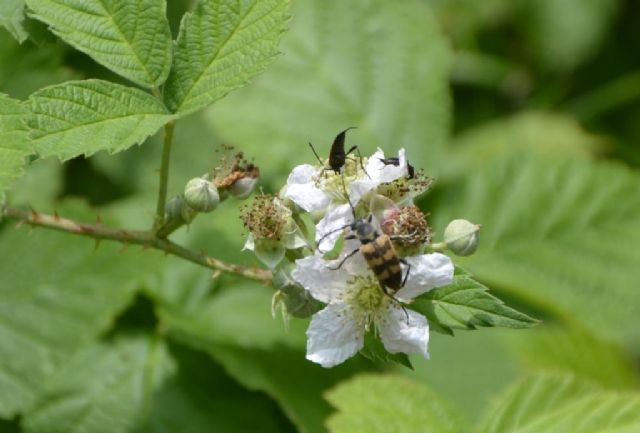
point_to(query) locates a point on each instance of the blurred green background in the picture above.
(527, 113)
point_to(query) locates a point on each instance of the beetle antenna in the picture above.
(344, 187)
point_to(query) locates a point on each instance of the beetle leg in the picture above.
(351, 254)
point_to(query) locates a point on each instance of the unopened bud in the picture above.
(242, 188)
(201, 195)
(462, 237)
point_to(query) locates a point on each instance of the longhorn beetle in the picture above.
(378, 252)
(337, 155)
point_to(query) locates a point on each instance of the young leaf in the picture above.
(562, 234)
(132, 38)
(381, 66)
(12, 18)
(84, 117)
(384, 403)
(221, 45)
(467, 304)
(103, 389)
(56, 296)
(550, 404)
(14, 143)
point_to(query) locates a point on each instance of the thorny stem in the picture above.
(147, 239)
(164, 174)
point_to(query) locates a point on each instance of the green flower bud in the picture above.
(201, 195)
(173, 208)
(462, 237)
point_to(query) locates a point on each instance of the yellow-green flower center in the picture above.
(335, 184)
(366, 294)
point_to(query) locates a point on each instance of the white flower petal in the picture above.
(334, 336)
(390, 172)
(427, 272)
(379, 173)
(330, 225)
(324, 284)
(359, 188)
(308, 196)
(302, 174)
(250, 243)
(404, 331)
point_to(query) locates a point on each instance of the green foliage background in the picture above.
(527, 112)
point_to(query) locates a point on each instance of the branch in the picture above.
(135, 237)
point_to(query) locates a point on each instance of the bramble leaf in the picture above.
(84, 117)
(467, 304)
(554, 403)
(14, 143)
(221, 45)
(12, 18)
(388, 75)
(576, 351)
(132, 38)
(104, 389)
(384, 403)
(55, 301)
(561, 234)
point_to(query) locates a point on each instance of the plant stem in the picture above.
(136, 237)
(164, 173)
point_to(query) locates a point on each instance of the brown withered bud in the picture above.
(235, 174)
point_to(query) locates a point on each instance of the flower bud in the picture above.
(462, 237)
(201, 195)
(242, 188)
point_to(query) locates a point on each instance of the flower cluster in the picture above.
(370, 257)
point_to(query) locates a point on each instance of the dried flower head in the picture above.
(235, 173)
(409, 225)
(266, 217)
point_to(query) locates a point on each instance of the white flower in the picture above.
(303, 188)
(355, 300)
(339, 214)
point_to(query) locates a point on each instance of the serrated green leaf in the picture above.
(389, 403)
(84, 117)
(542, 133)
(56, 296)
(12, 18)
(467, 304)
(562, 235)
(551, 404)
(14, 143)
(132, 38)
(380, 66)
(104, 389)
(221, 45)
(25, 68)
(578, 352)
